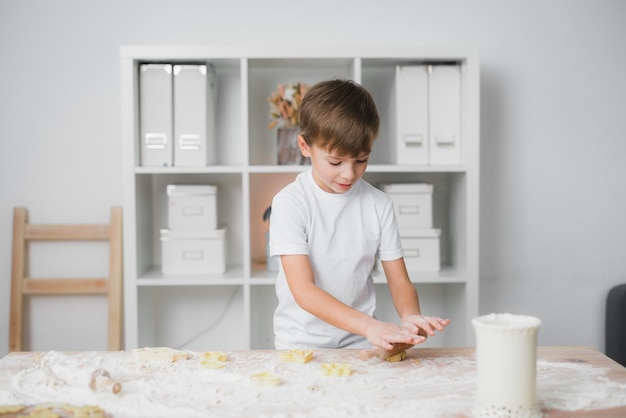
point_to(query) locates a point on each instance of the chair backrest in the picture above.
(22, 285)
(615, 332)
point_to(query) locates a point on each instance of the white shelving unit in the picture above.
(234, 310)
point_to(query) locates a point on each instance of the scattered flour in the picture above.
(426, 387)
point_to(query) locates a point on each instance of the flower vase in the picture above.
(288, 150)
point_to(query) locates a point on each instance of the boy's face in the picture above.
(333, 173)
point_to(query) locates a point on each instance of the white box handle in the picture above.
(193, 255)
(445, 139)
(155, 141)
(408, 210)
(413, 140)
(189, 142)
(193, 211)
(412, 252)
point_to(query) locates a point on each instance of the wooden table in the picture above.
(430, 382)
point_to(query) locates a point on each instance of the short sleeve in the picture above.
(288, 225)
(390, 247)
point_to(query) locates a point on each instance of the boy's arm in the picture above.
(329, 309)
(406, 301)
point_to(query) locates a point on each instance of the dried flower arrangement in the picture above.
(284, 104)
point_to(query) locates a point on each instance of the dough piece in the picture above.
(265, 379)
(11, 409)
(213, 359)
(52, 410)
(336, 369)
(217, 355)
(160, 353)
(385, 355)
(101, 381)
(296, 356)
(396, 357)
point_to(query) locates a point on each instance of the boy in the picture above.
(328, 227)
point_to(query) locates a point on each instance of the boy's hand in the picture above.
(424, 325)
(383, 336)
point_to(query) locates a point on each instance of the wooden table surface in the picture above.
(571, 359)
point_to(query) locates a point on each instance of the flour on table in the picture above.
(417, 386)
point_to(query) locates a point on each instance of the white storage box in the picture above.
(193, 252)
(428, 115)
(421, 250)
(445, 115)
(155, 109)
(413, 204)
(411, 89)
(192, 207)
(194, 115)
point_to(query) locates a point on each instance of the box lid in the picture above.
(167, 234)
(189, 190)
(420, 233)
(407, 188)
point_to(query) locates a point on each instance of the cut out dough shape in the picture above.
(160, 353)
(213, 359)
(265, 379)
(336, 369)
(296, 356)
(52, 410)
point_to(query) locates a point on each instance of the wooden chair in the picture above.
(22, 285)
(615, 325)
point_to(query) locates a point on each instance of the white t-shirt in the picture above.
(342, 234)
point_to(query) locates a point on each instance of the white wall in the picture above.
(553, 101)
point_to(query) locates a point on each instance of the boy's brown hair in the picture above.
(339, 116)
